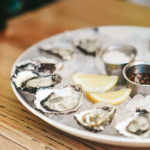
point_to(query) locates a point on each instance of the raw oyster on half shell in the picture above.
(48, 68)
(60, 49)
(97, 118)
(30, 81)
(88, 41)
(59, 101)
(137, 126)
(41, 65)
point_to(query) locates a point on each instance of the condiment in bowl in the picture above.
(137, 75)
(115, 57)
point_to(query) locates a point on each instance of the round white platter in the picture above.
(136, 36)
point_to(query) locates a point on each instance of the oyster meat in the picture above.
(97, 118)
(59, 101)
(138, 126)
(61, 49)
(30, 81)
(41, 65)
(88, 41)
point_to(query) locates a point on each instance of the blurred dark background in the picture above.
(10, 8)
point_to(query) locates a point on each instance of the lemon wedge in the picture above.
(95, 83)
(115, 97)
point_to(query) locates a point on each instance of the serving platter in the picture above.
(136, 36)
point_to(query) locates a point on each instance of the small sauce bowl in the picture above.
(117, 68)
(137, 67)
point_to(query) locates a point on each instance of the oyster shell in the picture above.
(97, 118)
(59, 101)
(30, 81)
(88, 41)
(137, 126)
(26, 65)
(61, 49)
(41, 65)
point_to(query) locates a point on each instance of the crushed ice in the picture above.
(139, 101)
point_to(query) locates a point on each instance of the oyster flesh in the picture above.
(30, 81)
(88, 41)
(61, 49)
(97, 118)
(137, 126)
(59, 101)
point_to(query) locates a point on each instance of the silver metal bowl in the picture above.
(117, 69)
(135, 68)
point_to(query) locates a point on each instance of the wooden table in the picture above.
(19, 128)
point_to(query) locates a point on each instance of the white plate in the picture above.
(136, 36)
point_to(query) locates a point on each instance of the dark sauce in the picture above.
(140, 78)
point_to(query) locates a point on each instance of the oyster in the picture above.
(97, 118)
(46, 68)
(88, 41)
(59, 101)
(30, 81)
(41, 65)
(137, 126)
(61, 49)
(25, 64)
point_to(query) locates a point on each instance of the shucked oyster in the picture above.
(88, 41)
(96, 119)
(61, 49)
(137, 126)
(30, 81)
(48, 68)
(62, 100)
(41, 65)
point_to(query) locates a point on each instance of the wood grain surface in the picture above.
(19, 128)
